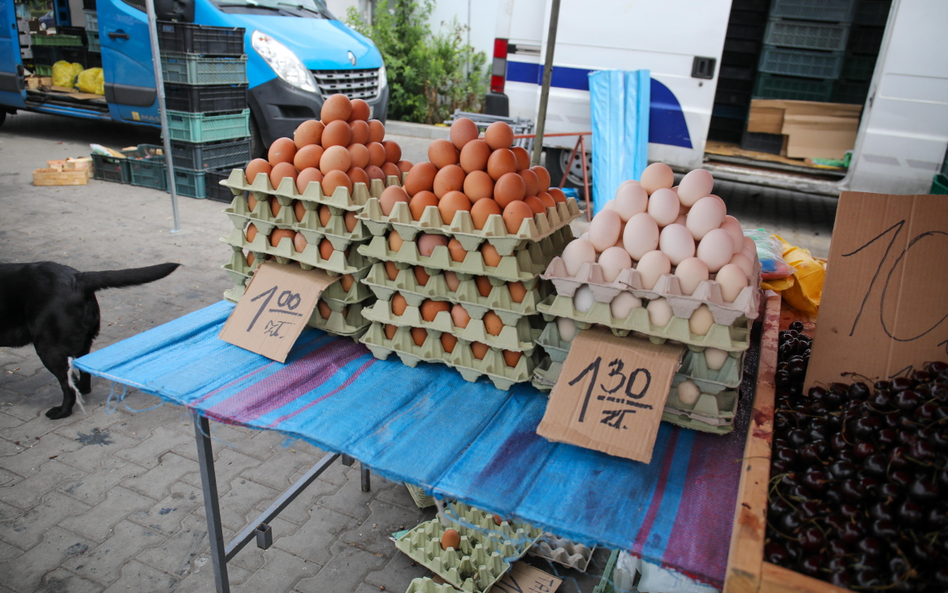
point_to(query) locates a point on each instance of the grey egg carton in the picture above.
(310, 258)
(462, 227)
(499, 300)
(462, 359)
(732, 338)
(426, 585)
(668, 286)
(286, 192)
(519, 337)
(563, 551)
(711, 413)
(545, 374)
(556, 347)
(523, 265)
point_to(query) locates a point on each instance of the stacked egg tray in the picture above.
(485, 553)
(426, 585)
(562, 551)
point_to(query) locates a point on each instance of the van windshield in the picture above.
(314, 9)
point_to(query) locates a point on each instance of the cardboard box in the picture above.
(813, 130)
(55, 176)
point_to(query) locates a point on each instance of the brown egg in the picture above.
(478, 186)
(499, 135)
(420, 201)
(357, 175)
(451, 203)
(399, 304)
(557, 194)
(450, 178)
(496, 517)
(459, 316)
(257, 166)
(337, 133)
(452, 280)
(335, 179)
(376, 153)
(421, 276)
(307, 176)
(279, 234)
(394, 241)
(250, 259)
(360, 110)
(390, 196)
(490, 255)
(483, 285)
(509, 188)
(324, 310)
(531, 181)
(308, 156)
(376, 130)
(336, 107)
(251, 232)
(346, 282)
(430, 309)
(442, 153)
(517, 291)
(456, 250)
(299, 208)
(500, 163)
(390, 330)
(535, 204)
(308, 132)
(479, 350)
(393, 152)
(281, 151)
(374, 172)
(359, 132)
(404, 166)
(275, 205)
(299, 242)
(281, 171)
(420, 178)
(351, 221)
(325, 249)
(547, 199)
(481, 210)
(359, 154)
(391, 170)
(325, 214)
(511, 358)
(543, 176)
(463, 130)
(492, 323)
(418, 335)
(523, 157)
(252, 201)
(427, 243)
(448, 342)
(474, 156)
(391, 270)
(335, 158)
(514, 215)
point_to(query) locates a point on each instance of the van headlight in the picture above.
(283, 61)
(383, 78)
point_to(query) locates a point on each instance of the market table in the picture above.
(459, 440)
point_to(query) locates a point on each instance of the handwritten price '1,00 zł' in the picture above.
(286, 303)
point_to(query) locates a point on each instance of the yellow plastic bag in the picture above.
(92, 81)
(65, 73)
(804, 288)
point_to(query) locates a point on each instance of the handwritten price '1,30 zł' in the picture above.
(623, 405)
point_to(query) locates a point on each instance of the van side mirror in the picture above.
(175, 10)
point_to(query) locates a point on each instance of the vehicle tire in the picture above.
(3, 116)
(257, 148)
(556, 160)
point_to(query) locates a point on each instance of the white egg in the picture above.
(750, 249)
(657, 176)
(612, 261)
(623, 305)
(694, 186)
(577, 253)
(566, 328)
(676, 242)
(604, 229)
(707, 214)
(688, 392)
(610, 205)
(701, 321)
(663, 206)
(746, 265)
(715, 249)
(732, 280)
(583, 299)
(691, 272)
(659, 312)
(640, 235)
(630, 200)
(651, 267)
(715, 358)
(733, 228)
(584, 236)
(682, 219)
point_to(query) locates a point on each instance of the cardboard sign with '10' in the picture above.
(275, 308)
(611, 393)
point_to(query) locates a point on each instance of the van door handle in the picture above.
(119, 35)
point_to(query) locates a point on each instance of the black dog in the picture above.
(54, 307)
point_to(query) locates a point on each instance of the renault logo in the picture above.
(352, 58)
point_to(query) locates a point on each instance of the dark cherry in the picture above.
(937, 519)
(864, 449)
(867, 426)
(851, 533)
(859, 390)
(779, 467)
(798, 327)
(910, 512)
(811, 539)
(797, 437)
(838, 442)
(900, 479)
(898, 458)
(922, 451)
(884, 529)
(852, 490)
(925, 412)
(869, 545)
(849, 510)
(875, 465)
(920, 376)
(886, 437)
(935, 367)
(923, 491)
(815, 480)
(812, 565)
(836, 549)
(900, 384)
(779, 507)
(790, 523)
(842, 469)
(786, 454)
(841, 578)
(882, 512)
(880, 400)
(889, 492)
(776, 554)
(907, 400)
(811, 508)
(867, 577)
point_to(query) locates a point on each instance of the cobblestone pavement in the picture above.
(110, 499)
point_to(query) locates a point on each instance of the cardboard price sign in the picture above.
(523, 578)
(275, 308)
(885, 298)
(611, 393)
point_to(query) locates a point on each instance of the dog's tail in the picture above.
(94, 281)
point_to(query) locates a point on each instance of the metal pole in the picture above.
(547, 74)
(160, 83)
(202, 433)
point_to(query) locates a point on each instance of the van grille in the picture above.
(355, 84)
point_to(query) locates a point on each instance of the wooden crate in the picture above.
(747, 572)
(54, 176)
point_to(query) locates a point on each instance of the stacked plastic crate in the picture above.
(205, 76)
(458, 257)
(862, 50)
(92, 29)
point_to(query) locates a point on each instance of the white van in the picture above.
(902, 136)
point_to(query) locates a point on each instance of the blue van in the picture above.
(297, 54)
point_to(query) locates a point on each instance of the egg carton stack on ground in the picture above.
(657, 227)
(286, 209)
(562, 551)
(456, 274)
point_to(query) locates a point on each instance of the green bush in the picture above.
(430, 75)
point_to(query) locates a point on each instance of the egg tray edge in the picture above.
(241, 272)
(285, 251)
(287, 191)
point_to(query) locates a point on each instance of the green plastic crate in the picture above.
(61, 40)
(807, 35)
(940, 185)
(854, 93)
(858, 68)
(200, 71)
(111, 168)
(150, 172)
(43, 69)
(190, 183)
(801, 62)
(796, 89)
(94, 43)
(813, 10)
(197, 127)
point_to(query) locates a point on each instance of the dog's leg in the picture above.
(57, 362)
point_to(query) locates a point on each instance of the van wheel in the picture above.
(257, 148)
(556, 161)
(3, 116)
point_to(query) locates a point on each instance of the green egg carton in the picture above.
(522, 266)
(519, 337)
(732, 338)
(605, 584)
(545, 374)
(563, 551)
(422, 499)
(514, 538)
(287, 191)
(344, 320)
(555, 346)
(462, 227)
(695, 367)
(426, 585)
(711, 413)
(462, 359)
(338, 262)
